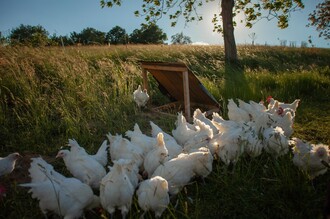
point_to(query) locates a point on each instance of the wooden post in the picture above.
(186, 95)
(146, 84)
(145, 79)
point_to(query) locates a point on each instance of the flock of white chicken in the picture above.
(158, 166)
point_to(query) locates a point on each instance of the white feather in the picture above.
(140, 96)
(67, 197)
(153, 195)
(157, 156)
(7, 164)
(116, 190)
(83, 167)
(311, 158)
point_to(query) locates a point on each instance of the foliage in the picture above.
(148, 34)
(29, 35)
(117, 35)
(280, 10)
(90, 35)
(37, 36)
(320, 19)
(179, 38)
(3, 39)
(75, 37)
(61, 40)
(48, 95)
(253, 10)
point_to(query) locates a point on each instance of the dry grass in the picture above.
(48, 95)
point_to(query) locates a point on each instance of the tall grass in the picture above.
(48, 95)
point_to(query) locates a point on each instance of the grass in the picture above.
(48, 95)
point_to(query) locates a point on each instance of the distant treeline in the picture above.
(38, 36)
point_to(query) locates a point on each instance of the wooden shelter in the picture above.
(181, 84)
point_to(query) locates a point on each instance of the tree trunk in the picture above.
(228, 30)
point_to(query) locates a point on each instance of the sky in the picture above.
(61, 17)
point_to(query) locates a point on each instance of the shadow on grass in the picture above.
(236, 84)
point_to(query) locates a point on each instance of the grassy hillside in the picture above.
(48, 95)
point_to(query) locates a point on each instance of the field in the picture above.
(48, 95)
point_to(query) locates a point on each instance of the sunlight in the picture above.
(206, 25)
(241, 31)
(208, 12)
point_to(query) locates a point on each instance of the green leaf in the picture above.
(157, 2)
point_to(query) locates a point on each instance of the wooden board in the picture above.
(180, 83)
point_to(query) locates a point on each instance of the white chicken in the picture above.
(264, 120)
(279, 109)
(203, 162)
(83, 167)
(67, 197)
(140, 97)
(153, 195)
(7, 164)
(116, 190)
(181, 170)
(249, 136)
(132, 171)
(268, 119)
(275, 142)
(174, 149)
(253, 109)
(201, 138)
(101, 155)
(293, 106)
(310, 158)
(182, 133)
(285, 122)
(155, 129)
(223, 125)
(260, 107)
(143, 141)
(157, 156)
(237, 114)
(201, 117)
(230, 145)
(253, 142)
(122, 148)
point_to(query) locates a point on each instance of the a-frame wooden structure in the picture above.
(181, 84)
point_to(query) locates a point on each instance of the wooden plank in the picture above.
(186, 94)
(172, 82)
(197, 94)
(164, 68)
(180, 83)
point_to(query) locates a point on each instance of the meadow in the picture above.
(51, 94)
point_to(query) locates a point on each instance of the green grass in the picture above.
(48, 95)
